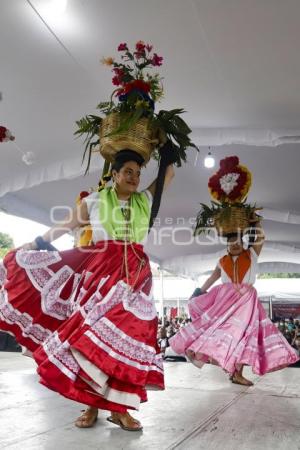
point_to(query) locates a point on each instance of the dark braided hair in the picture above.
(123, 156)
(234, 235)
(251, 233)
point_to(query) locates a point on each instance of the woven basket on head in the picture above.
(138, 138)
(232, 220)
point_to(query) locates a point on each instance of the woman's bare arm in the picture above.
(212, 279)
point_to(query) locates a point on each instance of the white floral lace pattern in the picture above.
(2, 273)
(59, 353)
(158, 361)
(91, 304)
(32, 259)
(145, 367)
(121, 342)
(138, 303)
(48, 283)
(95, 299)
(113, 298)
(39, 277)
(8, 314)
(51, 303)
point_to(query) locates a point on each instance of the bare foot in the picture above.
(238, 378)
(87, 419)
(190, 354)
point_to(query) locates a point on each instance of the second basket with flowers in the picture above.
(229, 211)
(129, 120)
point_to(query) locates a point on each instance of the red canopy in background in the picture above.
(284, 310)
(173, 313)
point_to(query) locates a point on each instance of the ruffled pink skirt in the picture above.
(230, 328)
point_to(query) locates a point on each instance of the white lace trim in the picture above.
(105, 325)
(12, 316)
(138, 303)
(122, 358)
(159, 362)
(51, 303)
(33, 259)
(39, 277)
(60, 351)
(98, 309)
(116, 340)
(2, 273)
(48, 283)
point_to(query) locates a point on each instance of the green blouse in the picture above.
(120, 221)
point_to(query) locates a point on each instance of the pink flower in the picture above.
(119, 72)
(5, 135)
(157, 60)
(2, 133)
(122, 47)
(140, 46)
(116, 80)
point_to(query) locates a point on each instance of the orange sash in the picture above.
(236, 270)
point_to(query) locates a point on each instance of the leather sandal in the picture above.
(118, 419)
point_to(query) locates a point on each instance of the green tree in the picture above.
(6, 244)
(279, 275)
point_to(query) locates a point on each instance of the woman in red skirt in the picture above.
(87, 314)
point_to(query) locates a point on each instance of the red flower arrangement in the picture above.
(232, 181)
(129, 74)
(139, 85)
(229, 188)
(137, 89)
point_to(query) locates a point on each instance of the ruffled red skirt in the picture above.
(91, 324)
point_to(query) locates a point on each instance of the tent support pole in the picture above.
(270, 308)
(161, 300)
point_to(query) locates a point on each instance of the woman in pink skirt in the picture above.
(229, 325)
(88, 314)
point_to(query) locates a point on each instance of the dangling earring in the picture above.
(114, 184)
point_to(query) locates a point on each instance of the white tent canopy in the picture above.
(280, 290)
(232, 65)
